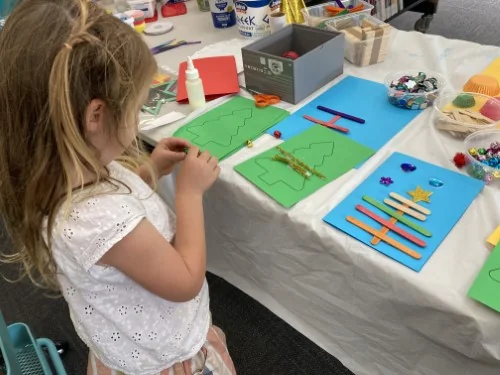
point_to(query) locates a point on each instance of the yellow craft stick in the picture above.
(384, 237)
(410, 203)
(406, 210)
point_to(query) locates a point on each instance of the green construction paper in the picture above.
(486, 286)
(226, 128)
(323, 149)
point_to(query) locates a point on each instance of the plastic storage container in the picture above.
(367, 39)
(321, 55)
(474, 143)
(147, 6)
(25, 355)
(463, 113)
(409, 100)
(317, 15)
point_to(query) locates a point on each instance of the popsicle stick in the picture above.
(328, 125)
(387, 224)
(334, 120)
(384, 237)
(406, 210)
(384, 230)
(410, 203)
(397, 216)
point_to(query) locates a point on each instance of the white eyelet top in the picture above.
(128, 328)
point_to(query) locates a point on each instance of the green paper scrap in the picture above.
(486, 286)
(226, 128)
(323, 149)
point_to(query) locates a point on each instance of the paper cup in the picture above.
(277, 21)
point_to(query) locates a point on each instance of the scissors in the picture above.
(262, 100)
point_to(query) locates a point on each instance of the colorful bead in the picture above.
(487, 165)
(405, 91)
(435, 182)
(488, 177)
(407, 167)
(249, 143)
(460, 160)
(277, 134)
(386, 181)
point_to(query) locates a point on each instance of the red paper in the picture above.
(218, 74)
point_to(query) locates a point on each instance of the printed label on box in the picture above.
(269, 76)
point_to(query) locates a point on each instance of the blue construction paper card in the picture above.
(357, 97)
(447, 204)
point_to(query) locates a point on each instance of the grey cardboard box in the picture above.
(321, 59)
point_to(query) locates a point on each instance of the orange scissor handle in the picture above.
(264, 100)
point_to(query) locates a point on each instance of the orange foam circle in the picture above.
(483, 84)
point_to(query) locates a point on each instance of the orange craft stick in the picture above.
(375, 240)
(384, 237)
(357, 8)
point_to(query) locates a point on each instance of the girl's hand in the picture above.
(198, 173)
(167, 153)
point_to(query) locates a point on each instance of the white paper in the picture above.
(163, 120)
(225, 48)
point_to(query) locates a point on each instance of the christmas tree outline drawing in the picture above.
(240, 122)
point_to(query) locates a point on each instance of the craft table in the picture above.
(376, 316)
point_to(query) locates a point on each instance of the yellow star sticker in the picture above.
(420, 194)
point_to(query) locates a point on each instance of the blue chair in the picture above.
(24, 355)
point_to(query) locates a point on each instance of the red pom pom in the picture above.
(460, 160)
(290, 55)
(277, 134)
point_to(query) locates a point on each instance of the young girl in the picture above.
(77, 200)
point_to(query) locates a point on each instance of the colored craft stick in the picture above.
(334, 120)
(339, 3)
(384, 237)
(406, 210)
(328, 125)
(384, 230)
(344, 115)
(389, 225)
(410, 203)
(395, 215)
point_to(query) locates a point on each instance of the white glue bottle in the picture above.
(194, 86)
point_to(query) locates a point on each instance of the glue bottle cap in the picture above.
(191, 71)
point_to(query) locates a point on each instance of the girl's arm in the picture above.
(176, 274)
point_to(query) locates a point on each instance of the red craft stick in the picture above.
(391, 226)
(328, 125)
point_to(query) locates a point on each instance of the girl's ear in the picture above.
(95, 117)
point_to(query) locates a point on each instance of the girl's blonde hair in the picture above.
(56, 56)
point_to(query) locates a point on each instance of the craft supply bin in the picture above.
(415, 100)
(321, 59)
(24, 355)
(465, 125)
(317, 15)
(477, 140)
(363, 46)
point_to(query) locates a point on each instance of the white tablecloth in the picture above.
(375, 315)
